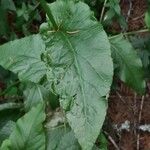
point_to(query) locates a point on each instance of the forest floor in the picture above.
(129, 112)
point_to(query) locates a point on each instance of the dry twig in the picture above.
(112, 141)
(139, 121)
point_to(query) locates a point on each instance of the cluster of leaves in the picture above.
(113, 12)
(65, 72)
(17, 18)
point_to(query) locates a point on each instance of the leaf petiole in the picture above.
(49, 13)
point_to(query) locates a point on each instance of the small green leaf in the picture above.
(28, 133)
(103, 142)
(128, 63)
(147, 19)
(24, 58)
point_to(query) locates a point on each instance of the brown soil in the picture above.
(133, 11)
(125, 105)
(137, 11)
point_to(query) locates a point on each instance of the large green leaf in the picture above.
(128, 63)
(80, 66)
(28, 133)
(24, 57)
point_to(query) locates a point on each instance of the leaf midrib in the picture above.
(78, 70)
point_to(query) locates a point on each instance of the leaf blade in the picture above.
(23, 57)
(128, 62)
(78, 52)
(34, 94)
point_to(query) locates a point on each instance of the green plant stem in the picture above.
(103, 10)
(136, 32)
(49, 13)
(10, 106)
(131, 33)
